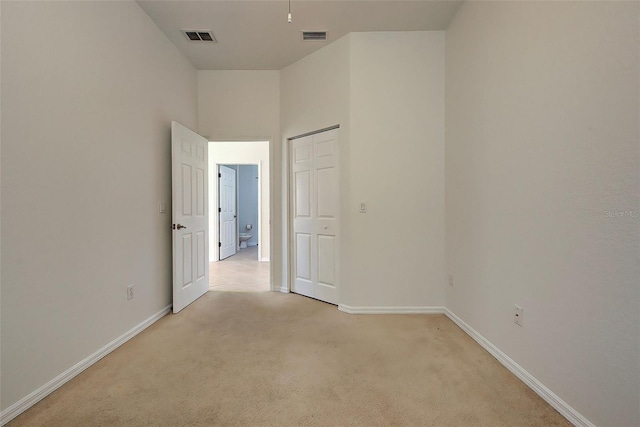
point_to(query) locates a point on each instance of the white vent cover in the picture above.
(310, 36)
(199, 36)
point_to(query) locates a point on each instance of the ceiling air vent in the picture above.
(310, 36)
(200, 35)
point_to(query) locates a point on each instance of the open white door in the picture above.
(227, 211)
(190, 216)
(315, 209)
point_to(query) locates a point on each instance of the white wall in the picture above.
(252, 152)
(239, 105)
(542, 141)
(245, 106)
(386, 90)
(541, 144)
(248, 202)
(87, 104)
(396, 165)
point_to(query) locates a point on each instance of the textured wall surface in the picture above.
(86, 160)
(542, 181)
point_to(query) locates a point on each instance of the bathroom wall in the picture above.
(247, 180)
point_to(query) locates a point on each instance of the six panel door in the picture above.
(227, 204)
(315, 211)
(190, 216)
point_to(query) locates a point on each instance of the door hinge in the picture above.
(219, 209)
(219, 244)
(219, 175)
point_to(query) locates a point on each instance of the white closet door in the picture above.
(315, 210)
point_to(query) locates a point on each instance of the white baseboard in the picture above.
(264, 259)
(391, 310)
(556, 402)
(28, 401)
(282, 289)
(550, 397)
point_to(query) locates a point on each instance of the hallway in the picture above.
(240, 272)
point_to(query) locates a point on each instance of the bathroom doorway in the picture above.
(239, 210)
(239, 216)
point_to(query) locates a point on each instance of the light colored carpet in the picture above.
(270, 359)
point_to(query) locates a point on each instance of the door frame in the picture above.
(217, 206)
(287, 199)
(268, 163)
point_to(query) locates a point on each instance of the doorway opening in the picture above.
(239, 245)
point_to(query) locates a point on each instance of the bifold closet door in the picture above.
(315, 210)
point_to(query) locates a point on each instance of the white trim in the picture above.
(214, 234)
(286, 226)
(392, 310)
(265, 259)
(282, 289)
(28, 401)
(315, 132)
(550, 397)
(259, 243)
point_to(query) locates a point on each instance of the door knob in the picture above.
(178, 227)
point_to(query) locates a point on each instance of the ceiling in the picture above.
(255, 35)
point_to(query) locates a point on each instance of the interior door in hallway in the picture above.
(190, 215)
(315, 210)
(227, 211)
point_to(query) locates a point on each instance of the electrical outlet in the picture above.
(129, 292)
(451, 280)
(517, 315)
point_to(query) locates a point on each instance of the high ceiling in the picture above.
(255, 35)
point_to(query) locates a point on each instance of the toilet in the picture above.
(243, 237)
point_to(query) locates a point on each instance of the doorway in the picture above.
(239, 210)
(239, 216)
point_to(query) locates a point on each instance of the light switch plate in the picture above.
(363, 207)
(162, 208)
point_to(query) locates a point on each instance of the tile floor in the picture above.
(240, 272)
